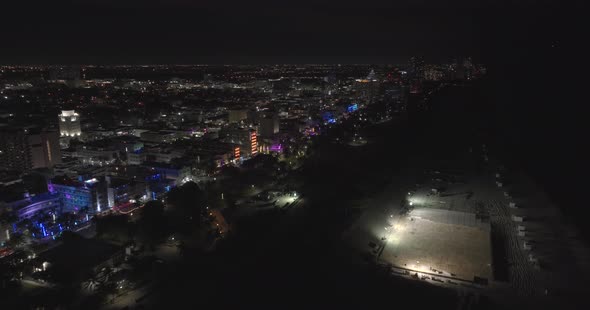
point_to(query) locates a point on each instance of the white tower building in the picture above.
(69, 124)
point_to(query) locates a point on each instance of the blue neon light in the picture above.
(352, 108)
(327, 116)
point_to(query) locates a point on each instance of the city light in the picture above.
(149, 131)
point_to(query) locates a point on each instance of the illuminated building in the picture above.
(97, 155)
(14, 153)
(43, 202)
(237, 153)
(69, 124)
(245, 138)
(75, 196)
(253, 143)
(367, 89)
(121, 190)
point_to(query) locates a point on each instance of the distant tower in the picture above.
(69, 124)
(371, 76)
(367, 89)
(417, 67)
(268, 125)
(468, 68)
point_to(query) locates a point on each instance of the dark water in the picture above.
(538, 125)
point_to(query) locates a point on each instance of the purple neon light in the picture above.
(276, 147)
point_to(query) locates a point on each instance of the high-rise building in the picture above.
(44, 149)
(468, 68)
(245, 138)
(417, 67)
(25, 149)
(237, 115)
(366, 90)
(268, 125)
(90, 195)
(69, 124)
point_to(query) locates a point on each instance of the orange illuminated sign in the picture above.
(253, 143)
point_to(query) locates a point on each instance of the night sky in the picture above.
(325, 31)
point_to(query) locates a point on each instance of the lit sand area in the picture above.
(434, 241)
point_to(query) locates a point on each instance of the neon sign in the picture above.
(253, 143)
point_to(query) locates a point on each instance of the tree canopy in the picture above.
(186, 203)
(114, 227)
(152, 226)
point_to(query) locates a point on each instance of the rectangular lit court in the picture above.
(433, 241)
